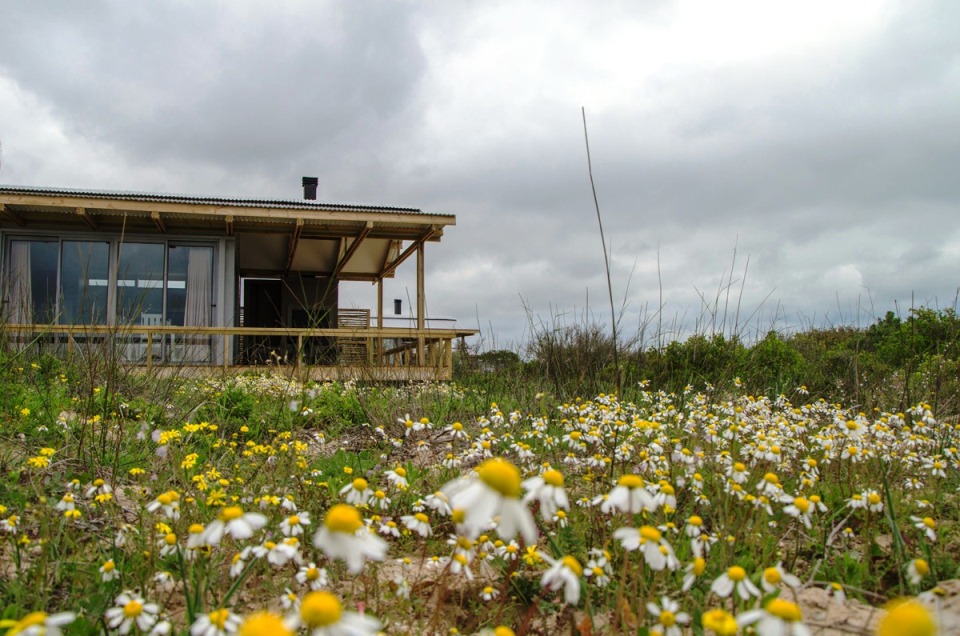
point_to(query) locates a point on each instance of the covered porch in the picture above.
(215, 284)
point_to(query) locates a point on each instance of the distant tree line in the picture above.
(891, 364)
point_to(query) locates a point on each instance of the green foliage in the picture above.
(893, 362)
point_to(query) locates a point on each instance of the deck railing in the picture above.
(358, 348)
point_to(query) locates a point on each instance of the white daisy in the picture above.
(630, 496)
(322, 615)
(493, 492)
(564, 574)
(343, 536)
(131, 610)
(219, 622)
(548, 490)
(668, 616)
(233, 522)
(40, 624)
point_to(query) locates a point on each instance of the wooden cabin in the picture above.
(206, 283)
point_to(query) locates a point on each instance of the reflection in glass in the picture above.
(84, 283)
(140, 284)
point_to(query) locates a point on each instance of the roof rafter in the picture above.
(294, 242)
(89, 220)
(423, 238)
(10, 214)
(158, 221)
(352, 249)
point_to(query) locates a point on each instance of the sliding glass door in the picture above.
(89, 282)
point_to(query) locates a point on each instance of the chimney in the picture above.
(310, 188)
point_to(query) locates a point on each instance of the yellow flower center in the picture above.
(133, 609)
(170, 539)
(109, 566)
(802, 504)
(922, 567)
(667, 618)
(457, 515)
(771, 478)
(737, 573)
(230, 513)
(401, 471)
(503, 631)
(343, 518)
(195, 528)
(929, 522)
(360, 484)
(907, 618)
(294, 520)
(720, 621)
(630, 481)
(699, 565)
(573, 565)
(320, 609)
(772, 576)
(695, 521)
(219, 617)
(501, 476)
(313, 574)
(553, 478)
(740, 467)
(264, 624)
(421, 517)
(784, 609)
(649, 533)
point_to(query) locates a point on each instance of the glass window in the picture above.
(31, 286)
(140, 283)
(84, 282)
(189, 285)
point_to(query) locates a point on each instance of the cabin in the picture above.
(209, 283)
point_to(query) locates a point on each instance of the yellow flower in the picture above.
(264, 624)
(719, 621)
(906, 617)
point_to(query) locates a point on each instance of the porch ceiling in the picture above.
(349, 241)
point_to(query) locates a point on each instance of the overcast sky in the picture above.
(804, 155)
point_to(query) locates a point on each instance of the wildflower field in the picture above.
(263, 505)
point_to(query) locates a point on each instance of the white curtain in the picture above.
(20, 285)
(199, 296)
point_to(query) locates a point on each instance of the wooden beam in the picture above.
(10, 214)
(421, 306)
(384, 215)
(83, 214)
(229, 222)
(294, 242)
(423, 238)
(353, 248)
(158, 221)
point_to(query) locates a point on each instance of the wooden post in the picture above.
(421, 306)
(378, 342)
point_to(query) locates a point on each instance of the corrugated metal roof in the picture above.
(206, 200)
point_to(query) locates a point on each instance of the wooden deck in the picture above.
(377, 354)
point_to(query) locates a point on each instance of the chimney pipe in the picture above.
(310, 188)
